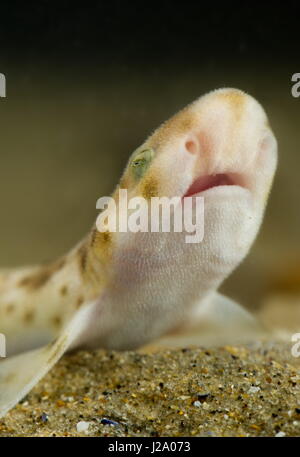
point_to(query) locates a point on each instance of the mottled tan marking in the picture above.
(42, 276)
(124, 182)
(101, 242)
(29, 317)
(236, 100)
(94, 236)
(82, 256)
(105, 237)
(149, 188)
(63, 291)
(177, 125)
(56, 321)
(10, 308)
(79, 302)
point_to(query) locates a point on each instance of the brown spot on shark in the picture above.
(82, 257)
(149, 188)
(41, 276)
(105, 237)
(79, 302)
(29, 317)
(63, 291)
(10, 307)
(101, 245)
(56, 321)
(100, 237)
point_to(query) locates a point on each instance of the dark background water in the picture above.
(85, 85)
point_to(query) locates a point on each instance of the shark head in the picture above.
(220, 148)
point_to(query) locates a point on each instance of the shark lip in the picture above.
(206, 182)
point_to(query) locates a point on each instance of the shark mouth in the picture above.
(203, 183)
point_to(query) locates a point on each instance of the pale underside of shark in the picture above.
(125, 290)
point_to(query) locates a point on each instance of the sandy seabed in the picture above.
(228, 391)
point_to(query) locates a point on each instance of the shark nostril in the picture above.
(191, 146)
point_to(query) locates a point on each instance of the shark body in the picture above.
(125, 290)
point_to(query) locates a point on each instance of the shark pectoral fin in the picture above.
(224, 311)
(20, 373)
(217, 321)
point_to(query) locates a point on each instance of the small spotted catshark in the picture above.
(124, 290)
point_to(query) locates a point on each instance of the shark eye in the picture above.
(141, 161)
